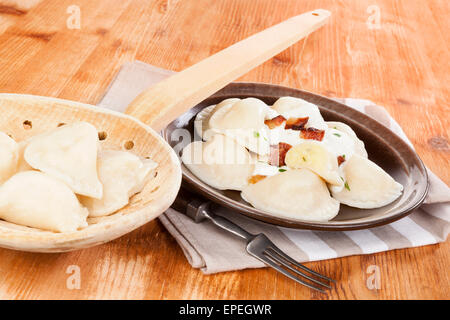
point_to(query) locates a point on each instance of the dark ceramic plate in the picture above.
(383, 146)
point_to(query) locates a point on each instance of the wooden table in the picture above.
(400, 63)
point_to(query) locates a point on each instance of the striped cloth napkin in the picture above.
(214, 250)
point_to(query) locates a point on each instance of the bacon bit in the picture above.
(256, 178)
(278, 154)
(312, 133)
(340, 160)
(296, 123)
(275, 122)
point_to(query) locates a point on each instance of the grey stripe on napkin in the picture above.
(214, 250)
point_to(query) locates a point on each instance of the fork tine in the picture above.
(270, 262)
(298, 265)
(283, 263)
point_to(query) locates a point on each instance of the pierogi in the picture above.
(68, 153)
(55, 180)
(367, 185)
(9, 157)
(358, 145)
(290, 107)
(297, 194)
(242, 121)
(38, 200)
(22, 165)
(287, 141)
(220, 162)
(201, 123)
(122, 175)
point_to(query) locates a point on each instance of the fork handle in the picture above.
(224, 223)
(200, 210)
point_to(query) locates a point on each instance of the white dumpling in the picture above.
(9, 156)
(22, 165)
(68, 153)
(201, 123)
(220, 162)
(342, 127)
(366, 185)
(242, 121)
(314, 156)
(143, 174)
(244, 114)
(122, 175)
(339, 143)
(296, 194)
(290, 107)
(37, 200)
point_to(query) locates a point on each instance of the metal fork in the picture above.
(259, 246)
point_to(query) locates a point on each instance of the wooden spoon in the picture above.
(23, 116)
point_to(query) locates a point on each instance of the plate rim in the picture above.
(259, 215)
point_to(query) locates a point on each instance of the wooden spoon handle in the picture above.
(164, 102)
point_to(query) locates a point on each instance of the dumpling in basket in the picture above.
(22, 165)
(37, 200)
(9, 156)
(68, 153)
(122, 174)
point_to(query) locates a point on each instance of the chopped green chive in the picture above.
(256, 134)
(282, 170)
(335, 128)
(337, 134)
(343, 156)
(346, 186)
(265, 139)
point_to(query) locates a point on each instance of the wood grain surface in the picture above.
(400, 63)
